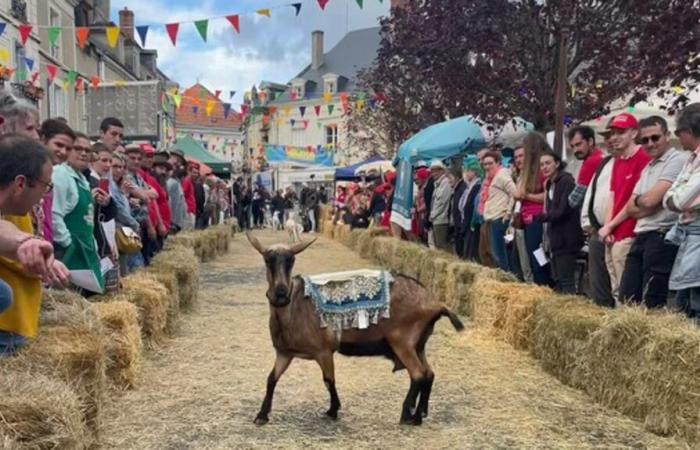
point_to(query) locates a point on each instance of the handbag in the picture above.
(128, 241)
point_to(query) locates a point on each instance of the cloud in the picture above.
(270, 49)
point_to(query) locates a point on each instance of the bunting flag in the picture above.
(120, 84)
(266, 120)
(35, 75)
(292, 122)
(3, 24)
(172, 28)
(264, 12)
(244, 109)
(79, 85)
(322, 4)
(287, 111)
(317, 110)
(273, 110)
(279, 121)
(202, 28)
(4, 56)
(227, 110)
(81, 34)
(359, 104)
(302, 110)
(327, 97)
(297, 7)
(372, 104)
(202, 94)
(195, 109)
(330, 109)
(235, 22)
(196, 101)
(51, 71)
(217, 93)
(318, 125)
(71, 77)
(362, 95)
(177, 99)
(24, 32)
(29, 63)
(293, 95)
(95, 81)
(112, 36)
(21, 75)
(306, 124)
(54, 33)
(210, 107)
(261, 96)
(344, 97)
(231, 94)
(359, 3)
(142, 30)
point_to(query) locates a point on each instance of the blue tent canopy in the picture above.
(443, 140)
(348, 173)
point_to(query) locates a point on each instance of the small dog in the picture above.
(276, 222)
(293, 228)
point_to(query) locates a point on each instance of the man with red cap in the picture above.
(618, 231)
(159, 210)
(188, 191)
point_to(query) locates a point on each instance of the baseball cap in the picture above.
(422, 174)
(437, 164)
(624, 121)
(147, 150)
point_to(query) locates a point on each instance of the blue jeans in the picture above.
(688, 302)
(499, 252)
(10, 343)
(533, 240)
(5, 296)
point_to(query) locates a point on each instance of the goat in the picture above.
(293, 228)
(296, 332)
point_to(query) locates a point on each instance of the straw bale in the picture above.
(41, 412)
(383, 252)
(489, 300)
(407, 258)
(184, 264)
(327, 228)
(379, 231)
(560, 329)
(647, 365)
(65, 307)
(458, 280)
(151, 298)
(124, 346)
(185, 239)
(169, 280)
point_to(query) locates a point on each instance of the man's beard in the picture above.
(162, 179)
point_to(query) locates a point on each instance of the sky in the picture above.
(267, 49)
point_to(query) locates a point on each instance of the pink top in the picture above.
(530, 210)
(47, 226)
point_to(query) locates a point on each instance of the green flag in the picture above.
(21, 75)
(71, 76)
(54, 32)
(330, 109)
(359, 3)
(202, 26)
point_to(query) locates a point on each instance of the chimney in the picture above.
(126, 22)
(316, 49)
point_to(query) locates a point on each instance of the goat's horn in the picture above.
(301, 246)
(255, 242)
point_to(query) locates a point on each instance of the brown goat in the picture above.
(296, 332)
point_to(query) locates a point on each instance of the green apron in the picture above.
(82, 252)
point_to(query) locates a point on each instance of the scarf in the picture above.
(484, 194)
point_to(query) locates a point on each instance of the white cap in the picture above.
(437, 164)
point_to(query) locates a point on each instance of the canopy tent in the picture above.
(348, 173)
(380, 166)
(195, 151)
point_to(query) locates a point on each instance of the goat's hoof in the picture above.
(261, 420)
(332, 414)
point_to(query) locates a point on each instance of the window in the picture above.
(57, 101)
(331, 87)
(20, 65)
(332, 136)
(55, 21)
(101, 69)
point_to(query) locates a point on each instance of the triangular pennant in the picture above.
(35, 75)
(21, 75)
(71, 77)
(323, 3)
(317, 110)
(359, 3)
(327, 97)
(112, 36)
(196, 101)
(217, 93)
(79, 85)
(302, 110)
(24, 32)
(120, 83)
(195, 109)
(4, 56)
(264, 12)
(51, 71)
(306, 124)
(292, 121)
(202, 27)
(81, 34)
(279, 121)
(372, 104)
(177, 99)
(330, 109)
(231, 94)
(142, 31)
(273, 110)
(210, 107)
(362, 95)
(65, 86)
(244, 109)
(287, 111)
(95, 81)
(293, 95)
(172, 28)
(344, 97)
(54, 33)
(297, 7)
(227, 110)
(3, 25)
(235, 22)
(29, 62)
(359, 104)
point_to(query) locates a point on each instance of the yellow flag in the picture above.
(210, 107)
(120, 83)
(64, 85)
(279, 121)
(263, 12)
(287, 110)
(327, 97)
(359, 104)
(4, 56)
(112, 36)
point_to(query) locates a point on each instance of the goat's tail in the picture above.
(454, 320)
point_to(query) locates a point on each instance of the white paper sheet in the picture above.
(541, 257)
(110, 229)
(85, 279)
(106, 265)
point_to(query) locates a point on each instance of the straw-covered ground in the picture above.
(204, 388)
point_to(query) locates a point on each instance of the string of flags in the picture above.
(172, 29)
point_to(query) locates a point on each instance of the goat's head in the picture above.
(279, 261)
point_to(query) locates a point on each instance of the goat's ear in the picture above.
(301, 246)
(255, 243)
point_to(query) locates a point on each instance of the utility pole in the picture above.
(560, 106)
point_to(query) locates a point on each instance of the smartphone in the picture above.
(104, 185)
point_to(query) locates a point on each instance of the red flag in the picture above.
(24, 32)
(51, 70)
(306, 124)
(317, 110)
(244, 109)
(273, 110)
(82, 34)
(217, 93)
(235, 22)
(79, 86)
(294, 95)
(35, 75)
(323, 3)
(95, 80)
(172, 28)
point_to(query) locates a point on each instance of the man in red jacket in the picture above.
(154, 213)
(188, 191)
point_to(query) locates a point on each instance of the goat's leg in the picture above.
(408, 356)
(281, 364)
(427, 387)
(325, 360)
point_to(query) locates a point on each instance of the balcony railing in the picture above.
(18, 9)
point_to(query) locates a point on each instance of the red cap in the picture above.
(623, 121)
(147, 150)
(390, 176)
(423, 174)
(380, 189)
(194, 165)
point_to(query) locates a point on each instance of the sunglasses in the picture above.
(48, 185)
(681, 130)
(653, 138)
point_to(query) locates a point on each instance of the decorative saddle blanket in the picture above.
(353, 299)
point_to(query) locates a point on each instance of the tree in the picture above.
(498, 59)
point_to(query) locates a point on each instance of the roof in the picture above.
(356, 51)
(195, 151)
(199, 96)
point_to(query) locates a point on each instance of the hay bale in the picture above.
(364, 245)
(460, 276)
(37, 411)
(489, 302)
(184, 264)
(383, 252)
(124, 345)
(379, 231)
(407, 258)
(560, 329)
(151, 299)
(646, 364)
(170, 281)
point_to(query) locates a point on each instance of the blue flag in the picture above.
(29, 62)
(297, 6)
(227, 110)
(143, 31)
(2, 27)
